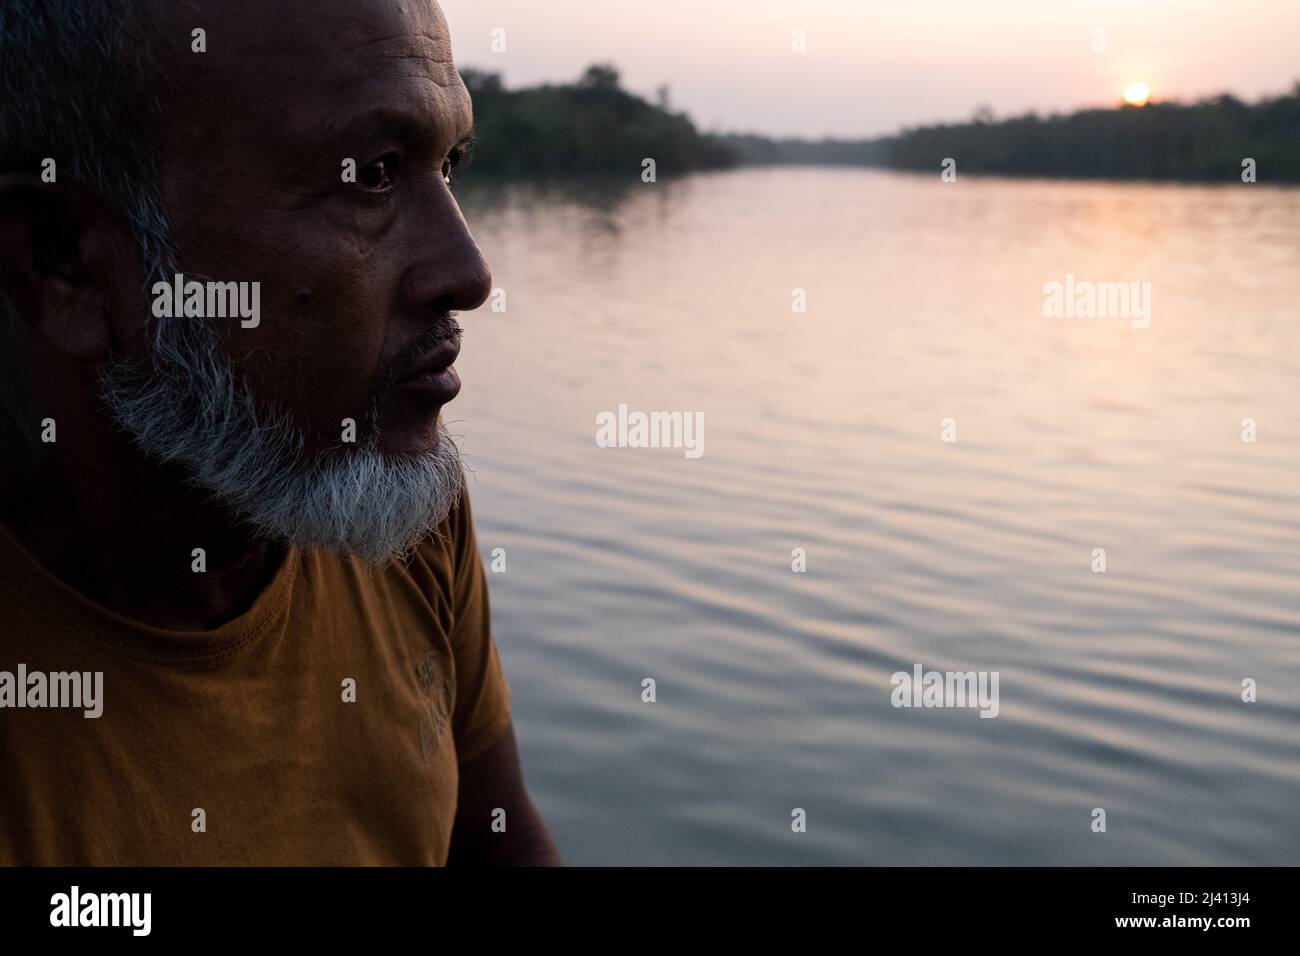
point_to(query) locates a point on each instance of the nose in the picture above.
(448, 272)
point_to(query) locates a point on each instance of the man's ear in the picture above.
(62, 256)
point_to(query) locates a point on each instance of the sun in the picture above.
(1137, 94)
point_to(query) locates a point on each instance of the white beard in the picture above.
(188, 407)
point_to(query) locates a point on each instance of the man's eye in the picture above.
(450, 163)
(381, 174)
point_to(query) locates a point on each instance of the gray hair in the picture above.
(78, 85)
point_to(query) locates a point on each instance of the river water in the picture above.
(923, 320)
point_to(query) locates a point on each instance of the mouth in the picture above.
(433, 377)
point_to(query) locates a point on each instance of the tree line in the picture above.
(591, 125)
(595, 125)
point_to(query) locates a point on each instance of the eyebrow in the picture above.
(469, 141)
(398, 125)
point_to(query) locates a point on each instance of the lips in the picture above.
(432, 362)
(432, 378)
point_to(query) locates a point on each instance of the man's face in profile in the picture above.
(359, 279)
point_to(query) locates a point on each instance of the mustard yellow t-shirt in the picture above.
(323, 726)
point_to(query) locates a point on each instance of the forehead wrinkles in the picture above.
(329, 53)
(301, 30)
(393, 54)
(289, 68)
(311, 45)
(399, 54)
(415, 71)
(414, 66)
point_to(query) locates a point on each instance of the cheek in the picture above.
(317, 352)
(325, 300)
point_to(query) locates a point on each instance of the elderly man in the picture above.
(243, 618)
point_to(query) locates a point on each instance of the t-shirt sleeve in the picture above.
(482, 709)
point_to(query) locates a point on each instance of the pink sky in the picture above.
(873, 66)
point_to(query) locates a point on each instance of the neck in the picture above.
(123, 531)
